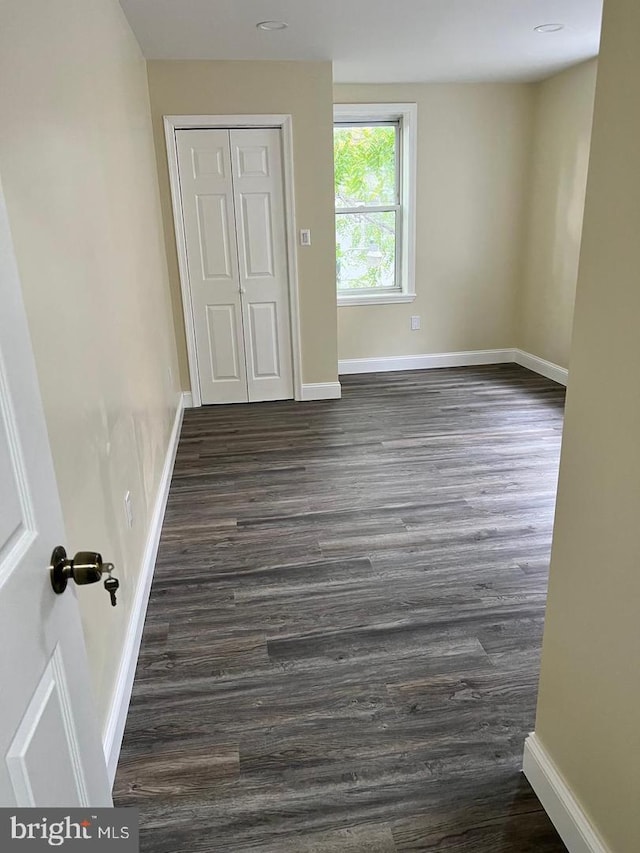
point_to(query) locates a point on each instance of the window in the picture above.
(374, 159)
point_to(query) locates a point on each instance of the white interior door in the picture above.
(49, 739)
(204, 162)
(232, 199)
(262, 251)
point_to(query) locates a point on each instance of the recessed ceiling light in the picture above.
(549, 28)
(272, 25)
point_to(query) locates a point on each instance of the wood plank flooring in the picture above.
(342, 645)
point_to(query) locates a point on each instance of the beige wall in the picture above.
(302, 89)
(78, 170)
(563, 117)
(589, 702)
(473, 154)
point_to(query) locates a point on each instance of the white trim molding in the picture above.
(285, 124)
(427, 361)
(407, 115)
(321, 391)
(558, 800)
(539, 365)
(468, 358)
(117, 716)
(344, 300)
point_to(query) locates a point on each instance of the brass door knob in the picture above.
(85, 567)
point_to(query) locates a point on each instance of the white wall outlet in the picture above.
(305, 237)
(415, 323)
(128, 509)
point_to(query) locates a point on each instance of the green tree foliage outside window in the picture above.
(365, 160)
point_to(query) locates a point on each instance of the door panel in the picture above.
(50, 746)
(208, 162)
(257, 235)
(47, 730)
(204, 163)
(263, 340)
(213, 234)
(13, 519)
(259, 203)
(223, 337)
(252, 161)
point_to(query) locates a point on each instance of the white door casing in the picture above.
(49, 739)
(231, 221)
(262, 250)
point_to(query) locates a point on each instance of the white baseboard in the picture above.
(558, 800)
(539, 365)
(117, 717)
(187, 399)
(321, 391)
(427, 361)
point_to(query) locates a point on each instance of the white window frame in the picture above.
(407, 117)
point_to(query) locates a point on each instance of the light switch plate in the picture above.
(305, 237)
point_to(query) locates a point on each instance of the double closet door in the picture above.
(231, 187)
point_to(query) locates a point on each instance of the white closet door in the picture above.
(262, 252)
(210, 234)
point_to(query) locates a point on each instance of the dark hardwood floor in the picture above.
(342, 645)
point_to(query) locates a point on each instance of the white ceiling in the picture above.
(378, 41)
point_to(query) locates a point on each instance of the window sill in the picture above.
(375, 299)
